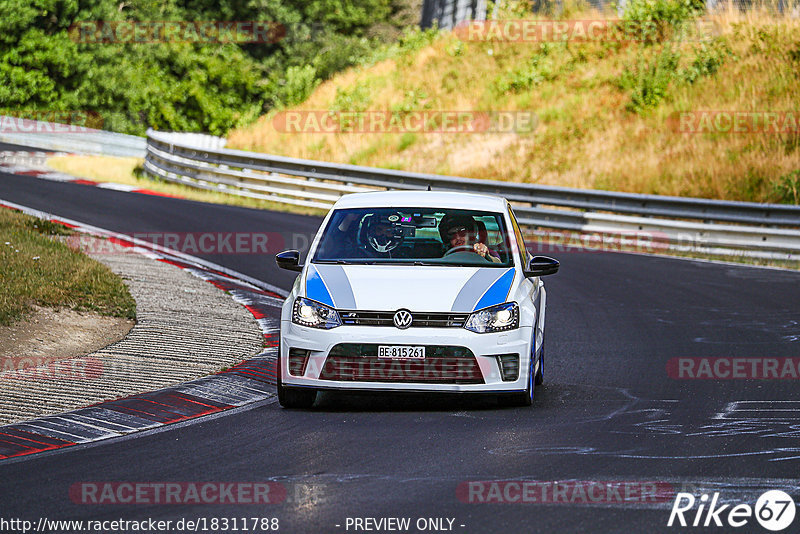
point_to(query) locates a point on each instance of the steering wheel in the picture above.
(461, 248)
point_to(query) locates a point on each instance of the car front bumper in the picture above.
(484, 347)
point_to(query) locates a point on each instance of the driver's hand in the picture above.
(481, 249)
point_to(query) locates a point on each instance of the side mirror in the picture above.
(541, 266)
(289, 259)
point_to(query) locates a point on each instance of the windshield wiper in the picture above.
(416, 262)
(344, 262)
(433, 263)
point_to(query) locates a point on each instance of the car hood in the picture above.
(416, 288)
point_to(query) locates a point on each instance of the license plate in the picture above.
(401, 352)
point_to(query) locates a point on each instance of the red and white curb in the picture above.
(250, 381)
(35, 164)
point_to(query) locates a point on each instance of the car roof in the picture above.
(422, 199)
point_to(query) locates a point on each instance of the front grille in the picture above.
(419, 319)
(358, 362)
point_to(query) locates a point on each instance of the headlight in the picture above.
(307, 312)
(494, 319)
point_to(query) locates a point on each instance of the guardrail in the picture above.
(711, 226)
(69, 138)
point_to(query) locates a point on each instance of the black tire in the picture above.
(518, 399)
(296, 398)
(291, 397)
(539, 379)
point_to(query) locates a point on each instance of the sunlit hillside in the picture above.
(608, 111)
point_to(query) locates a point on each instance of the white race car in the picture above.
(414, 291)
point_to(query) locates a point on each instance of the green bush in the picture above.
(661, 20)
(414, 39)
(339, 52)
(208, 87)
(538, 69)
(356, 98)
(298, 85)
(648, 81)
(407, 139)
(787, 188)
(708, 59)
(413, 100)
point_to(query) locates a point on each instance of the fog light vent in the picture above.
(509, 366)
(298, 360)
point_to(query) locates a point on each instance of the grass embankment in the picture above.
(37, 269)
(128, 171)
(605, 110)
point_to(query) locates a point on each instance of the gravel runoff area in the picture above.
(186, 328)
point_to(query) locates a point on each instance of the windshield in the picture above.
(417, 236)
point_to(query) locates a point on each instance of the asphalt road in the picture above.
(609, 412)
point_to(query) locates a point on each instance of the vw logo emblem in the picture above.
(402, 319)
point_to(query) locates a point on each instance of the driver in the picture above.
(384, 233)
(461, 232)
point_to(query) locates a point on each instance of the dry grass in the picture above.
(102, 168)
(36, 269)
(587, 137)
(125, 171)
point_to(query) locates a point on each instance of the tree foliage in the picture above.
(187, 86)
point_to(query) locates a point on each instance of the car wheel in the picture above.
(296, 398)
(539, 379)
(293, 398)
(519, 399)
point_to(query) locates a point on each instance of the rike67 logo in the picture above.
(774, 510)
